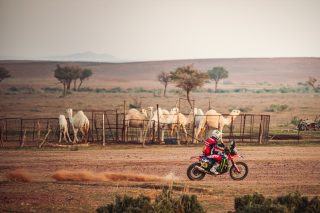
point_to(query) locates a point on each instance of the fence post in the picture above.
(124, 122)
(21, 120)
(1, 135)
(92, 137)
(103, 131)
(158, 130)
(117, 136)
(260, 131)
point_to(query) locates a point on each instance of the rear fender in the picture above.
(195, 157)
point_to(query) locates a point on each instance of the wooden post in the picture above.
(21, 134)
(39, 131)
(103, 131)
(260, 131)
(45, 138)
(1, 135)
(124, 122)
(117, 135)
(92, 127)
(158, 124)
(23, 138)
(34, 129)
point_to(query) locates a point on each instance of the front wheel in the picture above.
(193, 173)
(243, 171)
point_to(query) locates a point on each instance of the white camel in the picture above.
(136, 119)
(63, 127)
(183, 121)
(214, 120)
(79, 122)
(164, 119)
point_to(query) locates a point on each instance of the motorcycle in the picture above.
(237, 170)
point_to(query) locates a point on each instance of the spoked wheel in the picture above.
(193, 173)
(241, 174)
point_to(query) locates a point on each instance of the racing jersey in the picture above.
(211, 147)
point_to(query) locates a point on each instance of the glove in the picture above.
(227, 150)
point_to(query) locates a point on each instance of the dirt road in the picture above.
(273, 171)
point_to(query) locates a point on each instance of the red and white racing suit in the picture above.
(212, 150)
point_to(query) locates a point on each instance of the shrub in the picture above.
(242, 109)
(51, 89)
(128, 204)
(136, 104)
(22, 90)
(292, 203)
(295, 120)
(164, 203)
(276, 108)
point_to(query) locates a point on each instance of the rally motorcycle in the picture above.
(237, 170)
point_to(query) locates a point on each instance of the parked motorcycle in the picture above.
(237, 170)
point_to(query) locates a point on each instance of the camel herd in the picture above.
(174, 119)
(78, 122)
(146, 119)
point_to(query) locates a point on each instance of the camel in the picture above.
(164, 119)
(214, 120)
(79, 122)
(136, 119)
(63, 127)
(181, 120)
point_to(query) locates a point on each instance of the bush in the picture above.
(293, 203)
(295, 120)
(51, 89)
(128, 204)
(242, 109)
(22, 90)
(164, 203)
(136, 104)
(276, 108)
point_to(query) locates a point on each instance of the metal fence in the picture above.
(109, 126)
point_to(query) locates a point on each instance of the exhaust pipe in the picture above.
(201, 169)
(204, 171)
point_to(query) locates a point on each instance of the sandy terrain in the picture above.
(273, 171)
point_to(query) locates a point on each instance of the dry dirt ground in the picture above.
(273, 171)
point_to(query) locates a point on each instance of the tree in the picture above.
(66, 75)
(165, 79)
(216, 74)
(312, 82)
(84, 74)
(189, 78)
(4, 73)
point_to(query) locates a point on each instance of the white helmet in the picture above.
(216, 134)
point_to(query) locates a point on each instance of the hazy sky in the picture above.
(161, 29)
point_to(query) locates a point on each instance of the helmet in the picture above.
(216, 134)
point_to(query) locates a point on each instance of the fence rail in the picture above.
(109, 126)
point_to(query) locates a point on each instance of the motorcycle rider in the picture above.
(213, 150)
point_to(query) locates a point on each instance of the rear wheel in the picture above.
(193, 173)
(243, 171)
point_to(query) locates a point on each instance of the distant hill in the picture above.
(85, 56)
(144, 74)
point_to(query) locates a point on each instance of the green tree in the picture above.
(4, 73)
(188, 79)
(312, 82)
(66, 75)
(84, 74)
(216, 74)
(164, 78)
